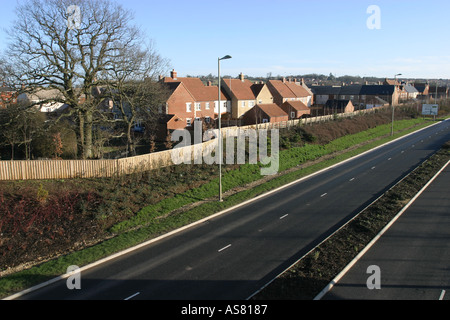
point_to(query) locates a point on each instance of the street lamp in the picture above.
(395, 90)
(220, 130)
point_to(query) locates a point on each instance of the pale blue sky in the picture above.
(294, 36)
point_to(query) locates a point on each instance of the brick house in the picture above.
(295, 109)
(290, 90)
(338, 106)
(191, 100)
(265, 113)
(244, 95)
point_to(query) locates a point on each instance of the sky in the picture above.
(293, 37)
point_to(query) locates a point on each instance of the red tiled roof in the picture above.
(297, 105)
(272, 110)
(242, 90)
(289, 89)
(198, 90)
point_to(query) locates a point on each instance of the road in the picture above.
(412, 256)
(232, 256)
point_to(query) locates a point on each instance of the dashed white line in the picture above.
(373, 168)
(281, 218)
(132, 296)
(351, 179)
(389, 159)
(323, 195)
(224, 248)
(441, 297)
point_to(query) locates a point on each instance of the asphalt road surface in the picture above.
(232, 256)
(412, 257)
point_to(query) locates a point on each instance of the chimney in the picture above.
(161, 77)
(173, 74)
(284, 80)
(209, 84)
(241, 77)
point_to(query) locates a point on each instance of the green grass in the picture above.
(146, 225)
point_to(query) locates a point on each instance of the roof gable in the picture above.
(272, 110)
(241, 89)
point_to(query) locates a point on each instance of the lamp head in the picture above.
(226, 57)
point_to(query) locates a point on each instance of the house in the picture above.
(191, 100)
(265, 113)
(292, 90)
(244, 95)
(411, 92)
(295, 109)
(338, 106)
(352, 93)
(324, 93)
(361, 96)
(422, 88)
(45, 100)
(439, 92)
(387, 93)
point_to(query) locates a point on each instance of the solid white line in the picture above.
(224, 248)
(378, 236)
(126, 251)
(441, 297)
(132, 296)
(283, 216)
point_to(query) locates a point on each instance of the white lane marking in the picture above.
(323, 195)
(441, 297)
(389, 159)
(373, 168)
(403, 151)
(132, 296)
(281, 218)
(224, 248)
(352, 179)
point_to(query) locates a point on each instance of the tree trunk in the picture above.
(87, 151)
(81, 133)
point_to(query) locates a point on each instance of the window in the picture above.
(292, 114)
(197, 107)
(207, 106)
(207, 119)
(189, 122)
(188, 107)
(265, 120)
(243, 104)
(251, 104)
(197, 119)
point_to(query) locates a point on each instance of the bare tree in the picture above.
(135, 91)
(72, 46)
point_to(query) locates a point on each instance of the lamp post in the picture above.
(220, 130)
(395, 90)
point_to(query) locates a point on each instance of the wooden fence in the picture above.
(69, 169)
